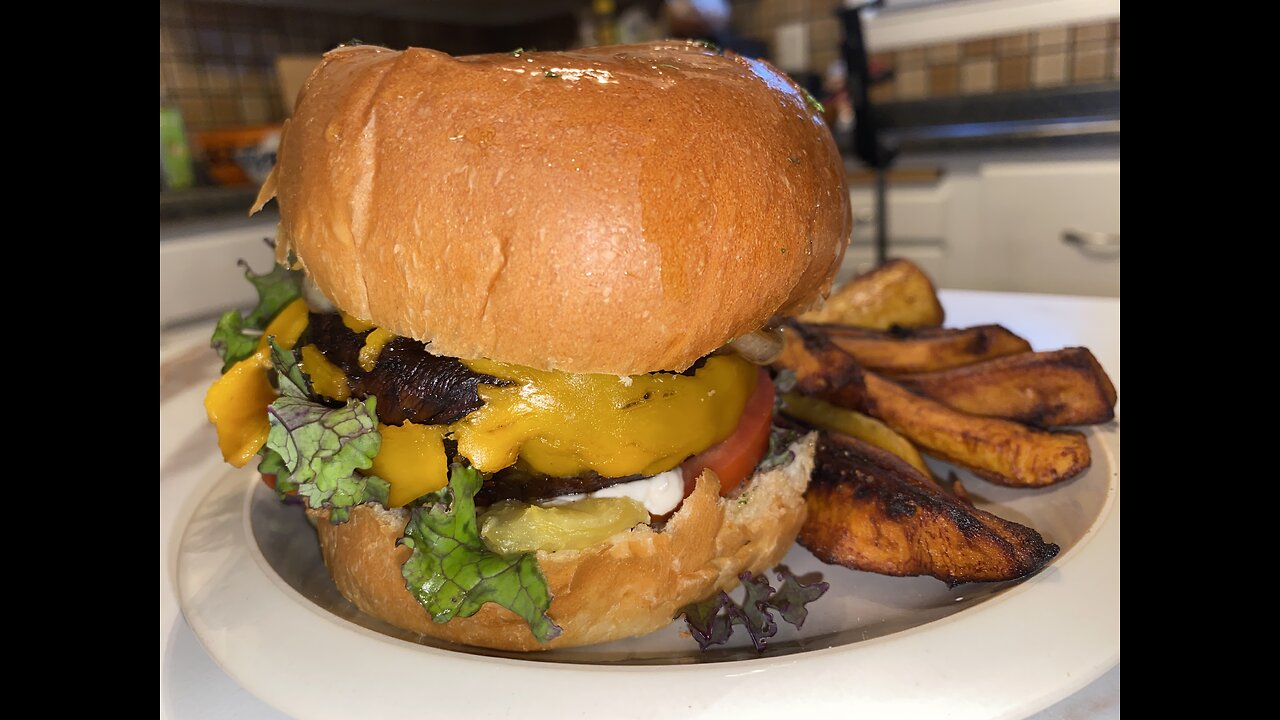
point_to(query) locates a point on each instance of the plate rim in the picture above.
(951, 674)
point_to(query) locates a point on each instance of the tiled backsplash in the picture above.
(760, 18)
(1045, 57)
(217, 59)
(217, 64)
(1074, 55)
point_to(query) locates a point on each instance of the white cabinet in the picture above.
(1029, 209)
(918, 225)
(199, 276)
(996, 221)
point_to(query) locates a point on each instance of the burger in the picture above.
(512, 360)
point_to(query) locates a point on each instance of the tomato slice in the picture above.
(734, 459)
(270, 481)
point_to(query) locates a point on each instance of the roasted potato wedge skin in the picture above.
(999, 450)
(869, 510)
(957, 489)
(821, 369)
(1048, 389)
(896, 293)
(928, 350)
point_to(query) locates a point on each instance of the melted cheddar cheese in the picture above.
(412, 460)
(566, 424)
(326, 378)
(237, 403)
(373, 345)
(374, 342)
(549, 422)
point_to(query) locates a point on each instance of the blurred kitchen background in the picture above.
(982, 137)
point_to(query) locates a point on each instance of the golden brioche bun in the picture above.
(621, 209)
(631, 585)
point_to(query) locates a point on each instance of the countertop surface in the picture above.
(192, 685)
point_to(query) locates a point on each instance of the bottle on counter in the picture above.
(176, 171)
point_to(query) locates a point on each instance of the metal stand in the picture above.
(867, 144)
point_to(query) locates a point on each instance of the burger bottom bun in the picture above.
(631, 585)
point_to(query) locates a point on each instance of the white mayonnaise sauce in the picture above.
(659, 494)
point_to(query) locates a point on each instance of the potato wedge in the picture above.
(896, 293)
(1001, 451)
(823, 415)
(821, 369)
(957, 489)
(870, 510)
(926, 350)
(1063, 387)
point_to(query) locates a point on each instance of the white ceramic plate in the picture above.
(253, 587)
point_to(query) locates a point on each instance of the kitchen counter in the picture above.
(206, 201)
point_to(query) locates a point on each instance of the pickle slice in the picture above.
(511, 527)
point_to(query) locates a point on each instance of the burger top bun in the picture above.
(618, 210)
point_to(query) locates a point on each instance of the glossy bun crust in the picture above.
(631, 585)
(620, 209)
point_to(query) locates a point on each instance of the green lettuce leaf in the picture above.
(322, 447)
(290, 380)
(235, 337)
(231, 339)
(273, 464)
(452, 574)
(275, 289)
